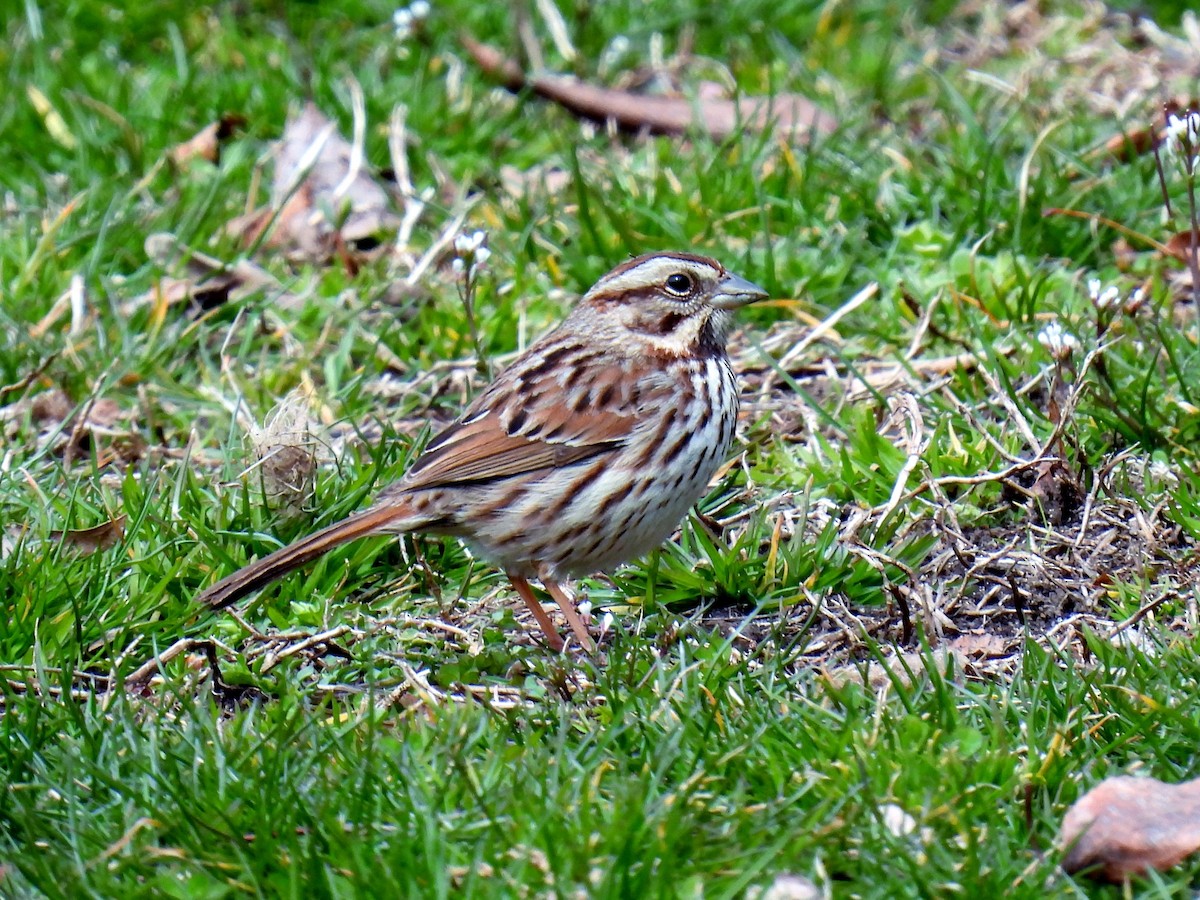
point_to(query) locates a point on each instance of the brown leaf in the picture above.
(105, 413)
(89, 540)
(1133, 143)
(979, 645)
(1180, 245)
(287, 455)
(51, 407)
(536, 180)
(205, 144)
(1127, 826)
(64, 426)
(902, 668)
(1056, 490)
(1128, 145)
(324, 202)
(206, 281)
(793, 116)
(1123, 254)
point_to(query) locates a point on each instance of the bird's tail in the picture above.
(262, 572)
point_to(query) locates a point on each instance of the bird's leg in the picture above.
(567, 605)
(553, 638)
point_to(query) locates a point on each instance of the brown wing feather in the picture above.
(482, 451)
(504, 433)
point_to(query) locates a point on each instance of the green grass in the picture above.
(427, 746)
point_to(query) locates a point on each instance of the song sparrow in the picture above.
(584, 453)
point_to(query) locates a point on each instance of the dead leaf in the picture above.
(168, 291)
(980, 645)
(1127, 826)
(792, 116)
(1131, 144)
(324, 202)
(64, 427)
(1127, 146)
(535, 181)
(105, 413)
(1180, 245)
(206, 281)
(205, 144)
(51, 407)
(1181, 288)
(1056, 490)
(98, 537)
(287, 457)
(1123, 254)
(902, 669)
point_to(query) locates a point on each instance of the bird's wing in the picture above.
(530, 420)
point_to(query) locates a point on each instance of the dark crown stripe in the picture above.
(670, 254)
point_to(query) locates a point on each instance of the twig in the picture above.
(155, 663)
(1141, 613)
(29, 378)
(273, 659)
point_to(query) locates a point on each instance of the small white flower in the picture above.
(1135, 301)
(466, 244)
(606, 623)
(584, 607)
(408, 21)
(1103, 297)
(1186, 126)
(472, 254)
(1183, 133)
(402, 22)
(1058, 342)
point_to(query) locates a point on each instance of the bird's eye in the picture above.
(679, 284)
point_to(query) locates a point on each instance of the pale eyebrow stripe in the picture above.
(651, 271)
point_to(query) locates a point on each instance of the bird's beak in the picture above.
(734, 292)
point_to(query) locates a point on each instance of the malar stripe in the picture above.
(664, 326)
